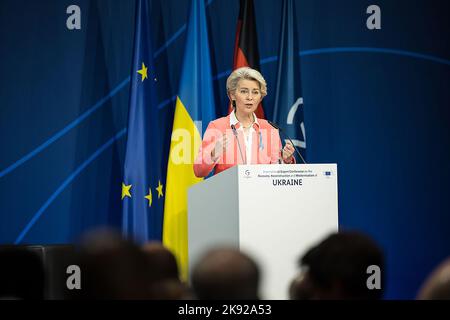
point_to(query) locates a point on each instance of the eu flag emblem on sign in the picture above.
(143, 183)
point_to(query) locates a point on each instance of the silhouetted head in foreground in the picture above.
(162, 263)
(21, 274)
(337, 268)
(163, 273)
(225, 273)
(112, 268)
(301, 288)
(437, 285)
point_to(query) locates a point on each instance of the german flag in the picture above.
(246, 52)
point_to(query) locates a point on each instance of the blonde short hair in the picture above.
(247, 74)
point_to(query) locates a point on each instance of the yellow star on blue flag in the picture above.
(143, 72)
(126, 190)
(159, 189)
(149, 197)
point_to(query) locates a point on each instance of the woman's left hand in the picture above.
(287, 152)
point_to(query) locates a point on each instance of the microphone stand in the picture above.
(281, 130)
(239, 144)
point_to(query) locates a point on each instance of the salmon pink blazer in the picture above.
(266, 146)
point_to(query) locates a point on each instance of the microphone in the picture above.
(239, 144)
(281, 130)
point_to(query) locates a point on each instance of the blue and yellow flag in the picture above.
(143, 185)
(193, 111)
(288, 107)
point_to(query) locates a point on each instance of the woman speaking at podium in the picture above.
(240, 137)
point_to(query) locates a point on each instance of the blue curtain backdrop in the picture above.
(376, 103)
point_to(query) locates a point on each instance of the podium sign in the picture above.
(274, 213)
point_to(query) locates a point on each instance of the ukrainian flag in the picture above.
(193, 111)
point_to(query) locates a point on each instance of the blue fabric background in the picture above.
(375, 102)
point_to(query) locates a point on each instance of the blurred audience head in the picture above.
(112, 267)
(336, 268)
(162, 262)
(163, 273)
(301, 287)
(226, 273)
(437, 285)
(22, 274)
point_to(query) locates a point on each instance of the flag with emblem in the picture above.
(143, 184)
(193, 110)
(288, 106)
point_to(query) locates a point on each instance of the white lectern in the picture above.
(274, 213)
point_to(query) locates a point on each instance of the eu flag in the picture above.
(143, 185)
(288, 108)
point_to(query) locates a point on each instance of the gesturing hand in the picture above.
(287, 152)
(220, 147)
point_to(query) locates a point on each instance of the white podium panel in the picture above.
(272, 212)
